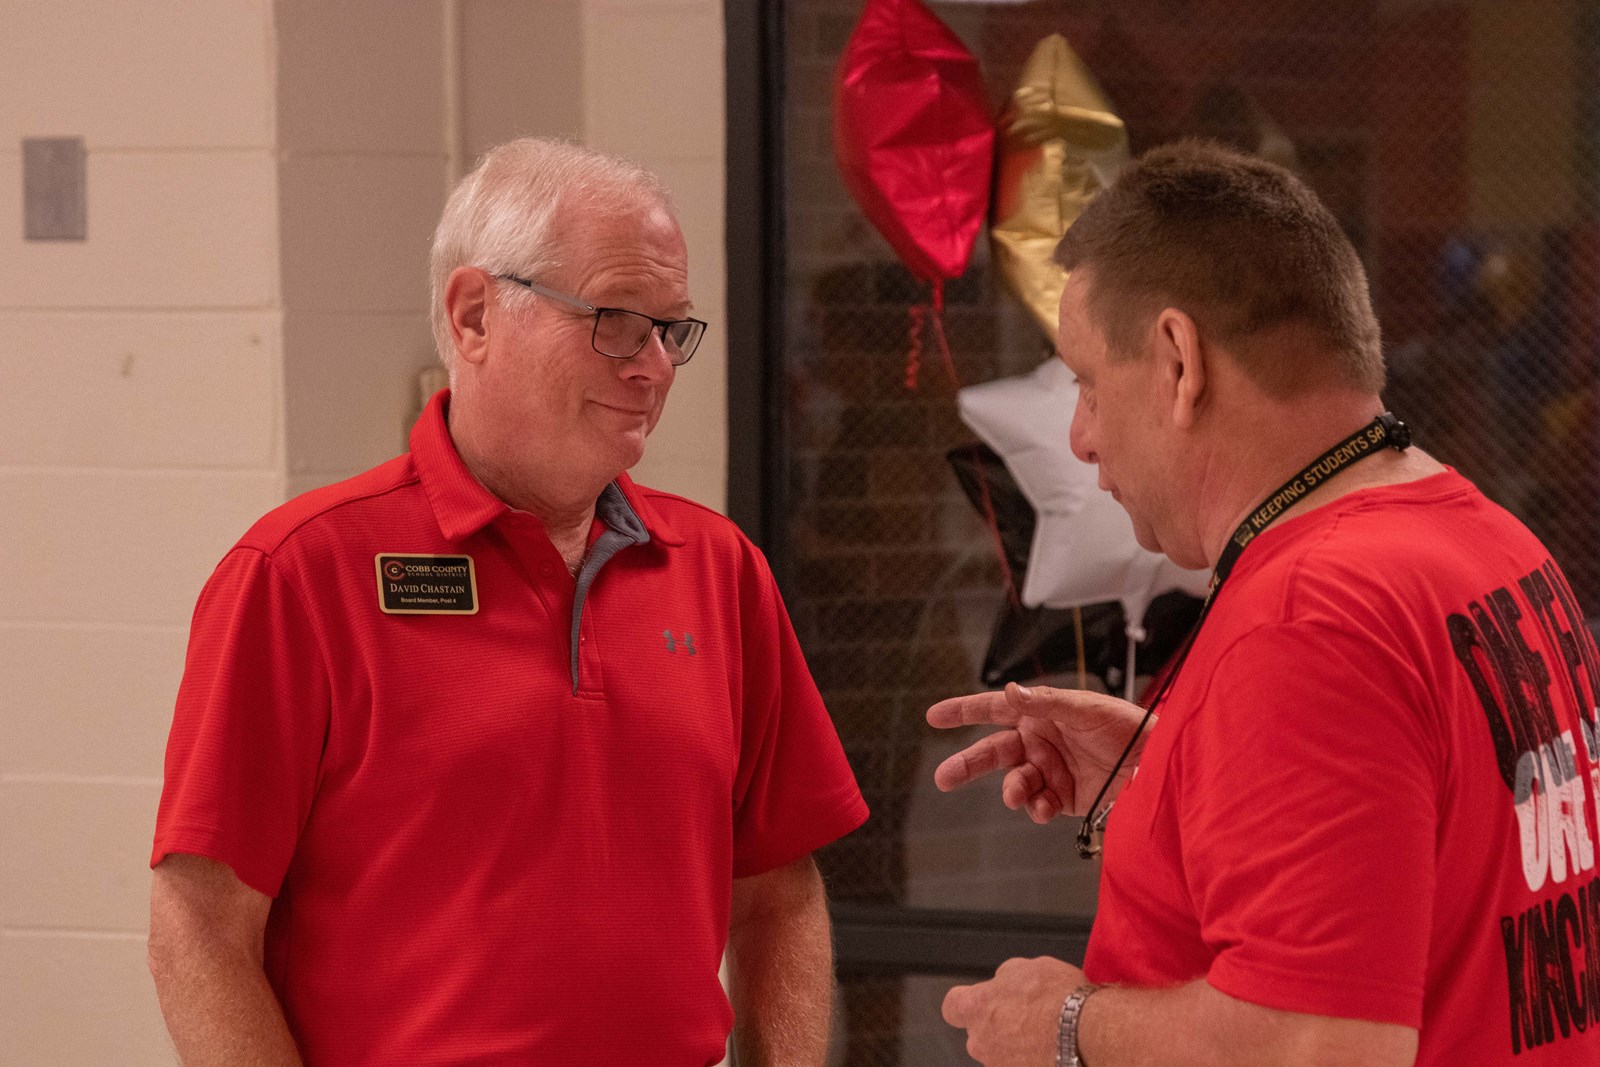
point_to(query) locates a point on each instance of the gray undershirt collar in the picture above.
(623, 528)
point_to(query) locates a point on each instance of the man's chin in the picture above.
(1151, 543)
(628, 452)
(1145, 534)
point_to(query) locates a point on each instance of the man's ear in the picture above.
(1182, 361)
(468, 293)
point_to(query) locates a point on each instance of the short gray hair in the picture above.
(501, 216)
(1243, 247)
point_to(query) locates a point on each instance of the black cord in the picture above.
(1383, 431)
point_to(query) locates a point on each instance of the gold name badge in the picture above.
(411, 583)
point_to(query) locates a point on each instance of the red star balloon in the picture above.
(913, 136)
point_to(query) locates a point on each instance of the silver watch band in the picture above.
(1067, 1030)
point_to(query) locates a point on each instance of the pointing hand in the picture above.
(1057, 749)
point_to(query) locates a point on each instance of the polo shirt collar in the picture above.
(462, 506)
(660, 529)
(460, 503)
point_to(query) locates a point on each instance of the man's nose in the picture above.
(652, 362)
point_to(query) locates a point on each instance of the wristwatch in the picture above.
(1067, 1034)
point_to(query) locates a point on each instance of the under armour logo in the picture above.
(673, 644)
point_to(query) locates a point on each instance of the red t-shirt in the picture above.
(1372, 790)
(470, 862)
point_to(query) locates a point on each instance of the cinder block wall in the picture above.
(653, 77)
(246, 319)
(143, 430)
(363, 168)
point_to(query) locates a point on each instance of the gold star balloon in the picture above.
(1061, 144)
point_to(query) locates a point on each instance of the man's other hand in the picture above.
(1011, 1019)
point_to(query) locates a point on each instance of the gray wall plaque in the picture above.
(54, 189)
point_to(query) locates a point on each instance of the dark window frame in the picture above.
(869, 940)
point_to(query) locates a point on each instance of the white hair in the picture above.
(501, 216)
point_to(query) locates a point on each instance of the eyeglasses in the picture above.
(622, 334)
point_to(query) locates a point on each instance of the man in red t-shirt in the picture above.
(1363, 827)
(488, 755)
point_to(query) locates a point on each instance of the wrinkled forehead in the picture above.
(610, 214)
(617, 230)
(634, 253)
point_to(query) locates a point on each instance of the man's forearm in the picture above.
(206, 952)
(780, 973)
(223, 1013)
(1194, 1025)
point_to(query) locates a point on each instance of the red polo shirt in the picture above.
(475, 857)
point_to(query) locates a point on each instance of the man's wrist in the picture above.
(1067, 1052)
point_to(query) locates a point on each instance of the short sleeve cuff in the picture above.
(1341, 997)
(263, 877)
(842, 813)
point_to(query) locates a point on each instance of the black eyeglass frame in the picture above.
(657, 326)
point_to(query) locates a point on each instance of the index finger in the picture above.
(991, 707)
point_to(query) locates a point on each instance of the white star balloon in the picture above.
(1083, 550)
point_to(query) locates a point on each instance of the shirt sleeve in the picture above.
(794, 791)
(1308, 811)
(248, 732)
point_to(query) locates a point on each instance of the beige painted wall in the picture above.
(362, 175)
(643, 61)
(143, 431)
(246, 319)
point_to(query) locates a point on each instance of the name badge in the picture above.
(410, 583)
